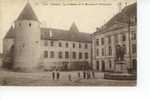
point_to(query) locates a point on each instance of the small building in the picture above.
(114, 44)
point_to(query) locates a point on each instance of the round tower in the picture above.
(27, 40)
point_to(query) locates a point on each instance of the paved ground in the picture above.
(8, 78)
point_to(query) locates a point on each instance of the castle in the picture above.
(29, 47)
(112, 48)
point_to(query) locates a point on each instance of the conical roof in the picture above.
(74, 28)
(27, 13)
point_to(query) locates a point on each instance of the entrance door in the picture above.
(103, 66)
(134, 64)
(97, 65)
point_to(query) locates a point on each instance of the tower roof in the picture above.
(74, 28)
(27, 13)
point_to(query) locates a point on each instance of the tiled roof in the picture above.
(27, 13)
(58, 34)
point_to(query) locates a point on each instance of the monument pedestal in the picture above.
(120, 67)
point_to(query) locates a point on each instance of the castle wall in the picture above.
(7, 44)
(27, 45)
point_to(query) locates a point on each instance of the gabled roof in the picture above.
(27, 13)
(58, 34)
(10, 33)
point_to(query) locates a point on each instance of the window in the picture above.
(134, 64)
(102, 41)
(124, 49)
(60, 45)
(45, 54)
(19, 24)
(97, 52)
(52, 43)
(86, 46)
(97, 42)
(46, 43)
(110, 65)
(103, 65)
(52, 54)
(60, 55)
(116, 38)
(133, 48)
(133, 35)
(30, 24)
(97, 65)
(67, 45)
(103, 52)
(124, 37)
(80, 45)
(74, 55)
(109, 39)
(110, 51)
(66, 54)
(86, 55)
(80, 55)
(73, 45)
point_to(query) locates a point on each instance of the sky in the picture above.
(86, 17)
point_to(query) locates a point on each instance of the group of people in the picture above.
(86, 74)
(81, 75)
(55, 75)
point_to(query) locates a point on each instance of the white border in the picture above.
(141, 92)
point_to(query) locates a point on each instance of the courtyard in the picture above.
(9, 78)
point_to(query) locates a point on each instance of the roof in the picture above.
(58, 34)
(123, 16)
(27, 13)
(10, 33)
(120, 20)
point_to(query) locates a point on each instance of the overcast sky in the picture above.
(87, 18)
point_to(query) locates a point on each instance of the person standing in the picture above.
(84, 74)
(53, 75)
(69, 77)
(93, 74)
(58, 75)
(79, 75)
